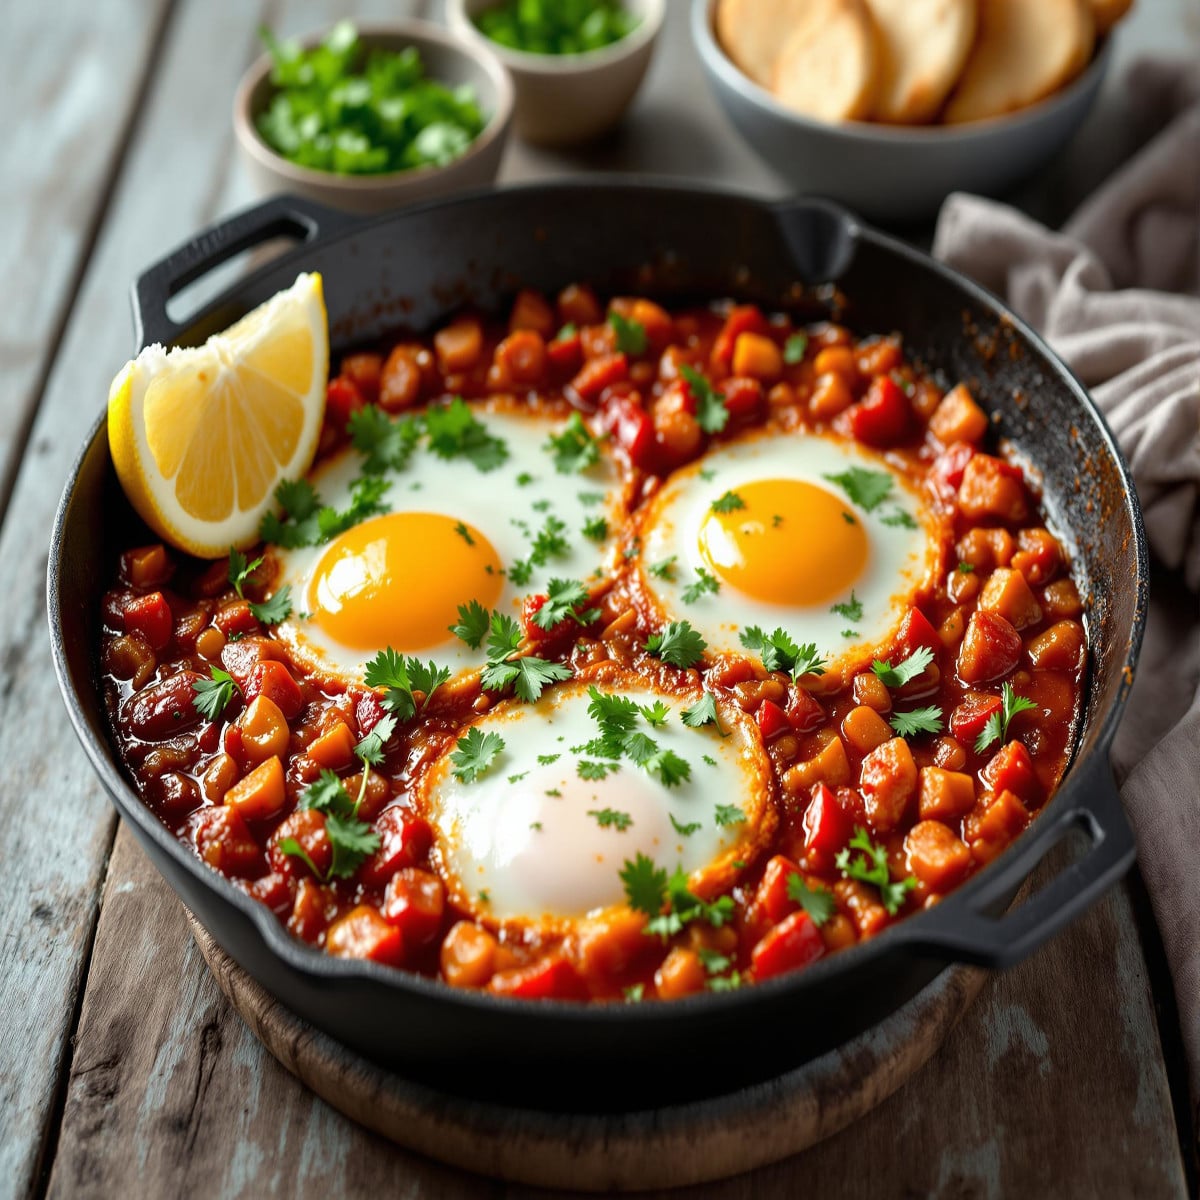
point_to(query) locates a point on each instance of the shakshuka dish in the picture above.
(613, 653)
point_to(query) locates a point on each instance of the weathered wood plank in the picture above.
(73, 86)
(1053, 1084)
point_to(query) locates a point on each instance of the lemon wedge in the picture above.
(201, 436)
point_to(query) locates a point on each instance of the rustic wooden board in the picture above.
(1052, 1084)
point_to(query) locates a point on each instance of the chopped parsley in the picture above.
(817, 902)
(464, 533)
(851, 609)
(213, 694)
(704, 584)
(704, 712)
(308, 522)
(611, 818)
(678, 644)
(871, 866)
(403, 677)
(350, 839)
(965, 568)
(370, 749)
(868, 489)
(277, 608)
(683, 907)
(729, 502)
(472, 623)
(549, 542)
(591, 769)
(684, 830)
(564, 600)
(595, 529)
(728, 814)
(900, 674)
(898, 517)
(386, 445)
(617, 718)
(524, 479)
(455, 432)
(794, 348)
(920, 720)
(590, 498)
(630, 335)
(711, 413)
(574, 448)
(664, 570)
(779, 652)
(996, 729)
(475, 753)
(240, 570)
(527, 674)
(725, 983)
(657, 713)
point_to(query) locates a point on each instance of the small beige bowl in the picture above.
(564, 99)
(448, 59)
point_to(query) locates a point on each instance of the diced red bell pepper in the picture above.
(772, 720)
(405, 839)
(415, 902)
(948, 467)
(794, 943)
(990, 649)
(223, 840)
(772, 899)
(273, 680)
(745, 318)
(368, 711)
(884, 416)
(598, 374)
(915, 631)
(632, 428)
(150, 615)
(274, 891)
(971, 714)
(342, 397)
(743, 399)
(551, 978)
(826, 826)
(803, 712)
(1011, 770)
(565, 353)
(236, 619)
(363, 933)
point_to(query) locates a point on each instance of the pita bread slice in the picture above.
(828, 66)
(752, 31)
(924, 46)
(1026, 49)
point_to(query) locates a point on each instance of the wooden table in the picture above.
(123, 1072)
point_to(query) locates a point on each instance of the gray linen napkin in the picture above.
(1117, 294)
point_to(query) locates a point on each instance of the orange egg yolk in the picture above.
(793, 543)
(398, 580)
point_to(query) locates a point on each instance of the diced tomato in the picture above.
(884, 416)
(772, 720)
(971, 714)
(368, 711)
(364, 371)
(632, 428)
(948, 467)
(342, 398)
(310, 910)
(239, 658)
(306, 827)
(274, 891)
(826, 826)
(990, 649)
(415, 902)
(405, 840)
(236, 619)
(745, 318)
(565, 353)
(273, 680)
(531, 311)
(150, 616)
(744, 398)
(991, 487)
(147, 566)
(771, 898)
(598, 374)
(915, 631)
(363, 933)
(803, 712)
(223, 840)
(551, 978)
(1011, 770)
(794, 943)
(530, 607)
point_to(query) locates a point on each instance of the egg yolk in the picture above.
(792, 543)
(397, 580)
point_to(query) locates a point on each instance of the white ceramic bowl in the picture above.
(447, 59)
(890, 172)
(564, 99)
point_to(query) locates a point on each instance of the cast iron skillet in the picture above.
(413, 268)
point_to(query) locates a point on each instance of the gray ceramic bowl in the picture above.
(888, 172)
(564, 99)
(449, 60)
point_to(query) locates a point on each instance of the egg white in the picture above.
(503, 509)
(899, 562)
(510, 849)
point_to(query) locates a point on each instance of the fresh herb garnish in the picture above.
(656, 714)
(591, 769)
(630, 335)
(240, 570)
(554, 27)
(704, 584)
(611, 817)
(794, 348)
(780, 652)
(871, 866)
(704, 712)
(472, 623)
(475, 753)
(711, 413)
(565, 599)
(213, 694)
(455, 432)
(965, 568)
(664, 570)
(728, 814)
(370, 749)
(851, 609)
(277, 608)
(899, 518)
(617, 718)
(573, 447)
(402, 677)
(817, 902)
(868, 489)
(684, 830)
(595, 529)
(386, 445)
(683, 906)
(996, 729)
(729, 502)
(528, 675)
(919, 720)
(463, 532)
(350, 839)
(678, 644)
(902, 672)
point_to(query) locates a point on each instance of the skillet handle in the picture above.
(975, 935)
(282, 216)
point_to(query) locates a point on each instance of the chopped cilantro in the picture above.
(528, 675)
(589, 499)
(574, 448)
(464, 533)
(996, 729)
(851, 609)
(728, 814)
(817, 902)
(794, 348)
(871, 866)
(240, 570)
(475, 753)
(868, 489)
(455, 432)
(678, 644)
(350, 839)
(683, 906)
(664, 570)
(635, 993)
(213, 694)
(684, 830)
(611, 817)
(645, 885)
(277, 608)
(370, 749)
(386, 445)
(657, 713)
(472, 623)
(714, 963)
(402, 677)
(564, 600)
(920, 720)
(898, 517)
(704, 712)
(524, 479)
(705, 583)
(729, 502)
(779, 652)
(592, 769)
(630, 335)
(900, 674)
(545, 760)
(711, 413)
(595, 529)
(965, 568)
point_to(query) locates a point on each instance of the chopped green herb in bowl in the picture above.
(342, 107)
(556, 26)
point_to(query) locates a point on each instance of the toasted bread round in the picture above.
(752, 31)
(1108, 12)
(1025, 50)
(924, 46)
(828, 65)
